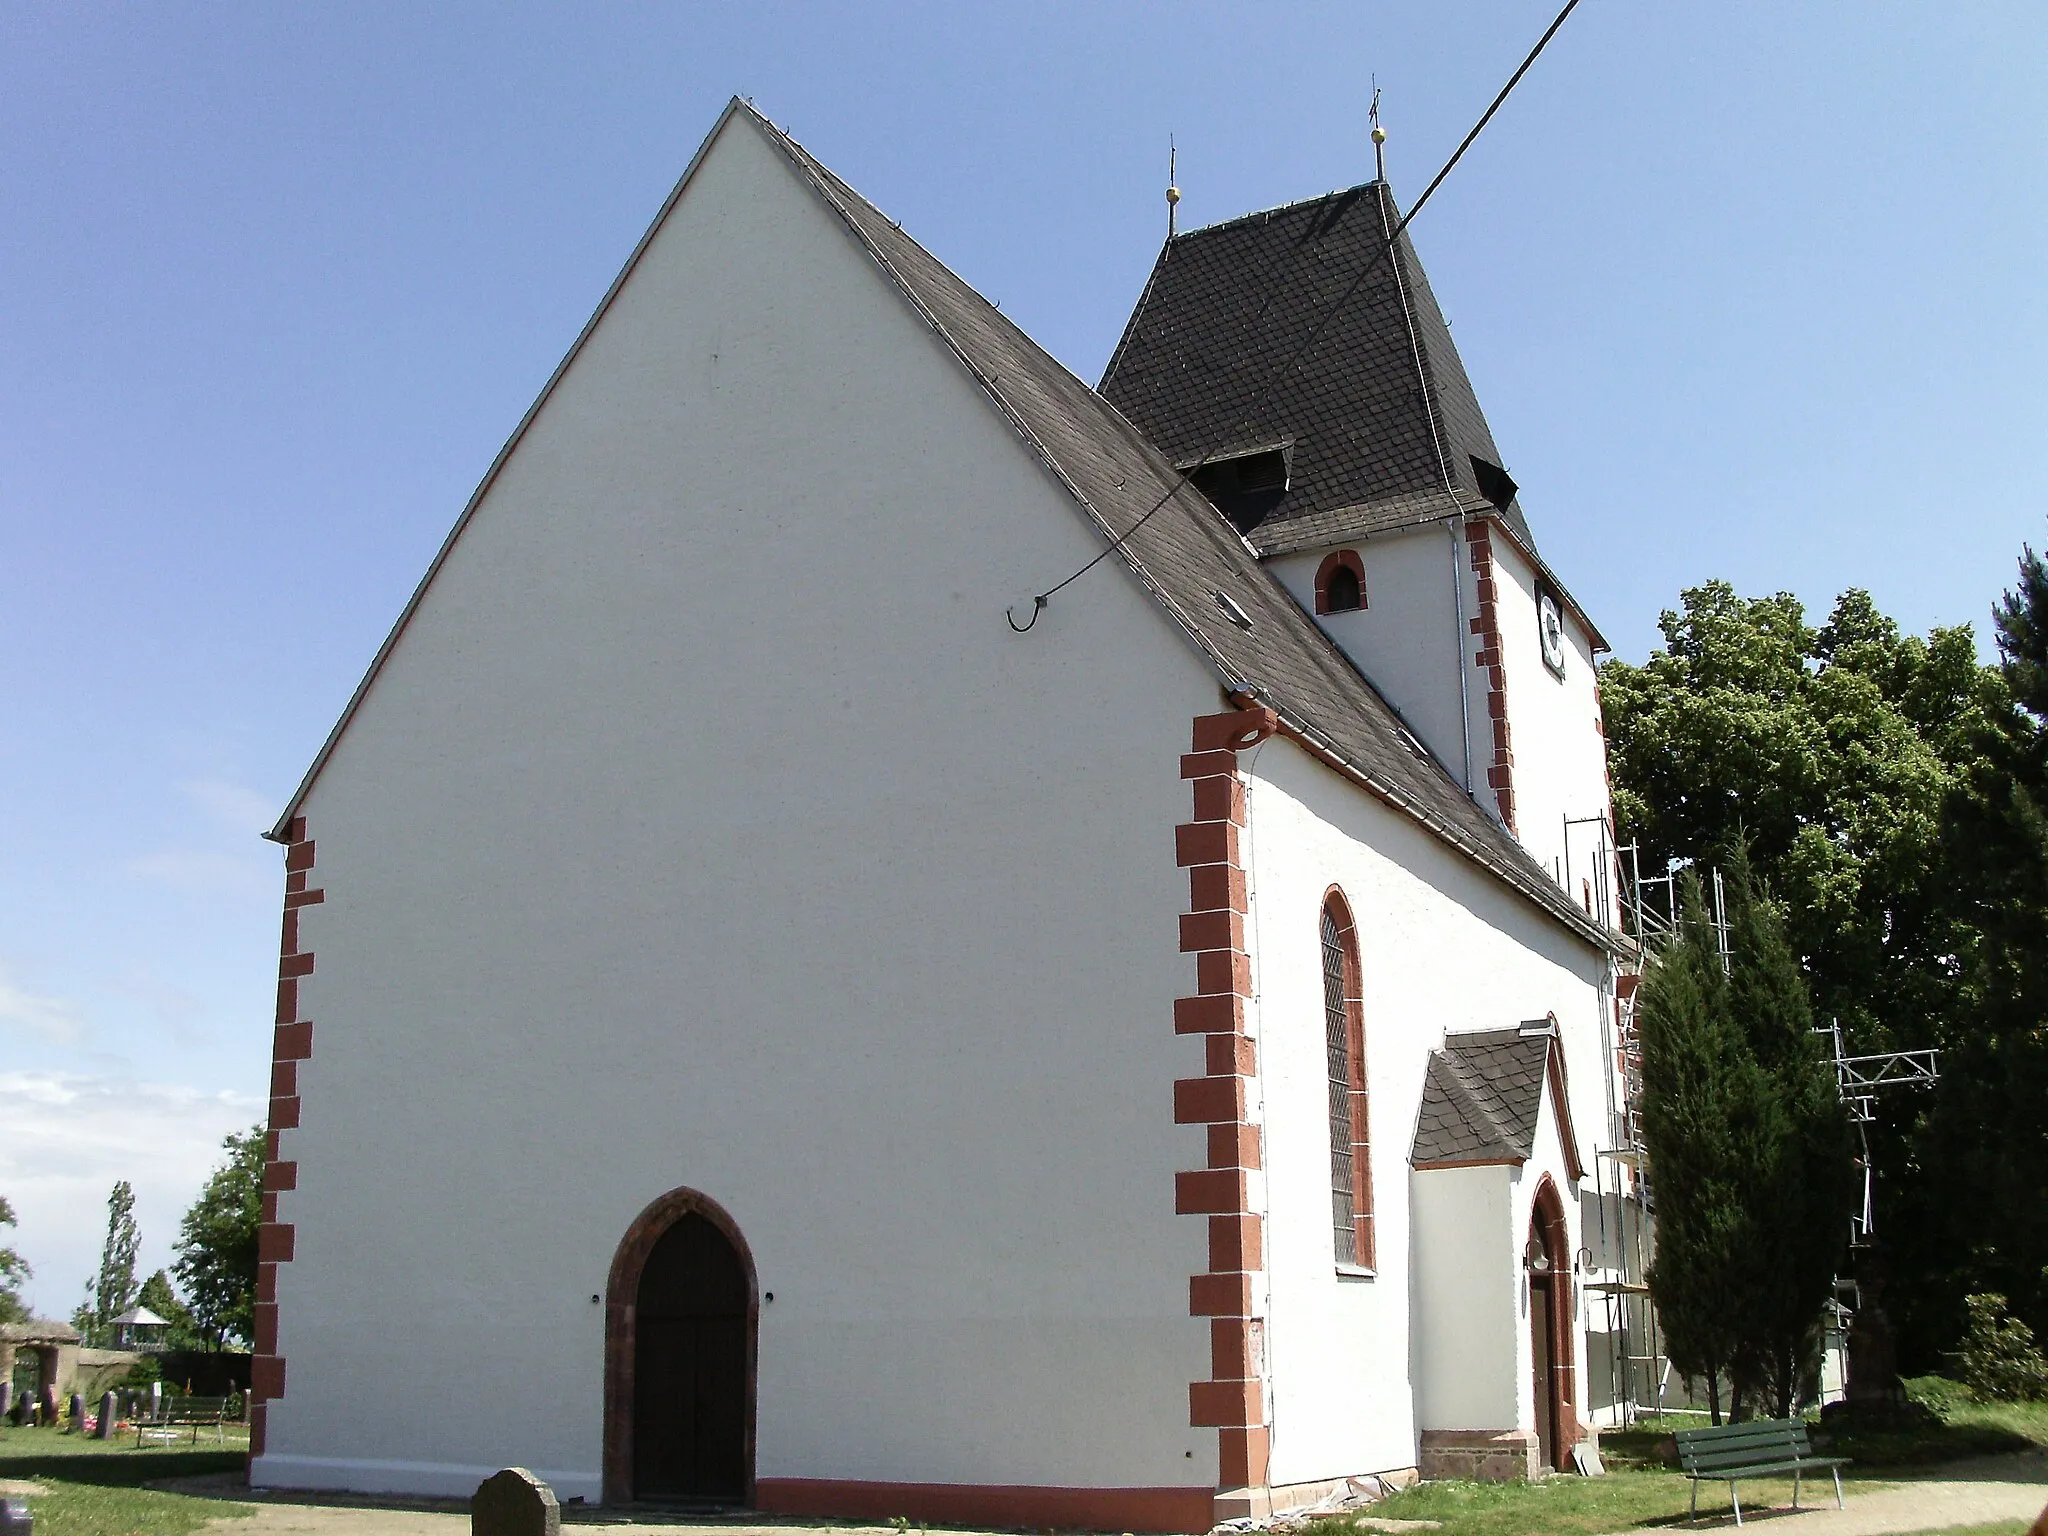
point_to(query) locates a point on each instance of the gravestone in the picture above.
(17, 1411)
(514, 1503)
(15, 1519)
(6, 1398)
(78, 1413)
(110, 1410)
(49, 1405)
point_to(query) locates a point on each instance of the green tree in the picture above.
(216, 1244)
(2000, 1359)
(1982, 1217)
(161, 1297)
(112, 1290)
(1749, 1152)
(1833, 752)
(13, 1270)
(1830, 752)
(1800, 1203)
(1699, 1094)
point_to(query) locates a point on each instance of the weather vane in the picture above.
(1379, 134)
(1172, 191)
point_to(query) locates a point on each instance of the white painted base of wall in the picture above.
(430, 1479)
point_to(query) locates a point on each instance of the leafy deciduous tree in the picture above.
(1982, 1215)
(216, 1244)
(1832, 753)
(1828, 751)
(160, 1297)
(13, 1270)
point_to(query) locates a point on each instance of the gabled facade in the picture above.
(769, 1014)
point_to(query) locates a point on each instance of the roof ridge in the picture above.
(1258, 214)
(1284, 653)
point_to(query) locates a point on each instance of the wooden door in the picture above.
(1542, 1334)
(690, 1368)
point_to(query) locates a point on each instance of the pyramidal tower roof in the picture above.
(1380, 424)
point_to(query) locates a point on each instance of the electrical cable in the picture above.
(1039, 601)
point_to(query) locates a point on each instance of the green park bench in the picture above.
(1729, 1453)
(175, 1414)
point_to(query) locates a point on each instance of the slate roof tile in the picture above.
(1379, 405)
(1481, 1098)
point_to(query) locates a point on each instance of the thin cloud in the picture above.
(71, 1136)
(53, 1018)
(228, 859)
(199, 869)
(236, 807)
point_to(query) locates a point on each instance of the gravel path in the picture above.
(1966, 1493)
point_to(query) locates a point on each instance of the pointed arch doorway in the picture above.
(681, 1324)
(1550, 1329)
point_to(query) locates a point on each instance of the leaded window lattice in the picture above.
(1337, 1037)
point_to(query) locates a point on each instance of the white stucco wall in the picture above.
(1474, 1348)
(1560, 754)
(1406, 642)
(1405, 639)
(1443, 947)
(709, 827)
(1469, 1298)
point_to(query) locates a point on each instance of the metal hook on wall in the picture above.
(1037, 607)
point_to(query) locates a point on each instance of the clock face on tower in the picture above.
(1550, 626)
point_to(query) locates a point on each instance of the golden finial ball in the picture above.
(1172, 195)
(1379, 134)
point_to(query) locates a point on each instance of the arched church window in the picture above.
(1344, 1040)
(1340, 583)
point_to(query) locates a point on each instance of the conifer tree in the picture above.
(112, 1290)
(1800, 1203)
(1698, 1096)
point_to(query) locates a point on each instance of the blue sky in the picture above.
(1747, 290)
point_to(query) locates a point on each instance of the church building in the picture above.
(892, 934)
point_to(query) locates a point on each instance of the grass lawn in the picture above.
(1643, 1490)
(95, 1486)
(1572, 1506)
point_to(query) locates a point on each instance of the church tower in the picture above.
(1329, 419)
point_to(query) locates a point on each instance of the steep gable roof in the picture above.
(1482, 1098)
(1184, 555)
(1383, 420)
